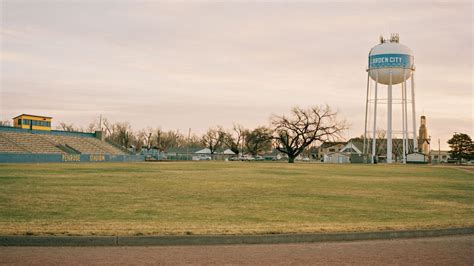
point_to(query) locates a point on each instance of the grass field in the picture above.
(230, 198)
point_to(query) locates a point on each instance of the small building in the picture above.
(33, 122)
(337, 157)
(439, 156)
(417, 157)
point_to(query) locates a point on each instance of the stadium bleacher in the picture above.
(84, 144)
(33, 143)
(23, 141)
(32, 140)
(7, 145)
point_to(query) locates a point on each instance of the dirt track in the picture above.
(457, 250)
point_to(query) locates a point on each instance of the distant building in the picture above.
(327, 148)
(423, 139)
(337, 157)
(439, 156)
(342, 152)
(417, 157)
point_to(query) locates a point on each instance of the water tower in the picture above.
(390, 64)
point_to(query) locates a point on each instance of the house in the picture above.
(353, 146)
(439, 156)
(217, 155)
(350, 152)
(337, 157)
(326, 148)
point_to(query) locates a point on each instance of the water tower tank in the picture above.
(392, 56)
(391, 64)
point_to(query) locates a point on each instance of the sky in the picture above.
(198, 64)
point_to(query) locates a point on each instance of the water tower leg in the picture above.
(415, 140)
(389, 120)
(366, 113)
(375, 117)
(404, 131)
(406, 119)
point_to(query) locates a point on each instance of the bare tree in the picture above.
(213, 139)
(5, 123)
(167, 139)
(381, 142)
(258, 140)
(93, 126)
(304, 126)
(120, 133)
(194, 141)
(146, 135)
(397, 149)
(67, 127)
(233, 139)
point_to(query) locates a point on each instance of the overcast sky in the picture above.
(195, 65)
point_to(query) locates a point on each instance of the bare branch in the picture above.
(295, 133)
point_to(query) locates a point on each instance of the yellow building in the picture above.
(35, 122)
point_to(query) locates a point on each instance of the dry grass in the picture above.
(230, 198)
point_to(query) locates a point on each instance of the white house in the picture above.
(417, 157)
(344, 154)
(439, 156)
(351, 147)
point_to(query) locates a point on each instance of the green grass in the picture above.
(230, 198)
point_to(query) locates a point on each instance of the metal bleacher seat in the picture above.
(85, 145)
(27, 142)
(7, 145)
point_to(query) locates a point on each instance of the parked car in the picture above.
(259, 158)
(203, 157)
(247, 158)
(242, 158)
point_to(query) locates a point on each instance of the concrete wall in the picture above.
(59, 158)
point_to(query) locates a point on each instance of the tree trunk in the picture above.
(291, 159)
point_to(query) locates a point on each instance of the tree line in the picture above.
(290, 134)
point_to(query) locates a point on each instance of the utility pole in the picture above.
(439, 150)
(187, 146)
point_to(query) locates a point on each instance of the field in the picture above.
(230, 198)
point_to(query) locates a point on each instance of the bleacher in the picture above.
(33, 143)
(7, 145)
(27, 141)
(84, 145)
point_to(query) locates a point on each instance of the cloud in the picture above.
(206, 63)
